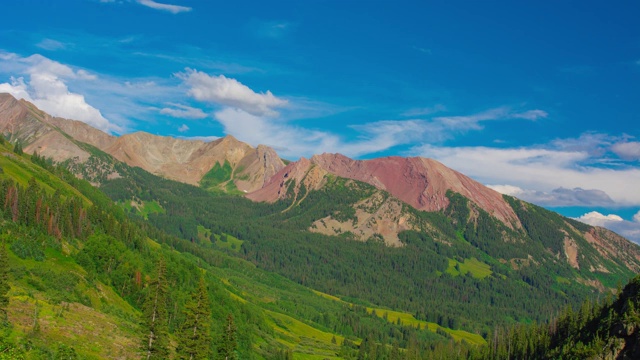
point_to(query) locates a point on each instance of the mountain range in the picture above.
(389, 238)
(227, 165)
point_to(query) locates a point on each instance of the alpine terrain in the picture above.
(143, 246)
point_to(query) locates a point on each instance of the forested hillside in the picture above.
(81, 279)
(608, 329)
(454, 270)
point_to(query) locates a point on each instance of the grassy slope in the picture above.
(105, 326)
(21, 170)
(478, 269)
(408, 319)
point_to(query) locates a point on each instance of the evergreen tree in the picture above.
(395, 352)
(228, 344)
(17, 148)
(156, 337)
(4, 282)
(194, 336)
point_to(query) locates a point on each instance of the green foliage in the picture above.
(219, 180)
(116, 252)
(478, 269)
(537, 222)
(65, 352)
(30, 246)
(194, 338)
(17, 148)
(228, 344)
(155, 340)
(275, 238)
(604, 330)
(4, 283)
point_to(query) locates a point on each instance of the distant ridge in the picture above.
(186, 161)
(419, 182)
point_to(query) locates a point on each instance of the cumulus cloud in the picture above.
(597, 219)
(174, 9)
(48, 90)
(628, 229)
(230, 92)
(183, 128)
(17, 88)
(183, 112)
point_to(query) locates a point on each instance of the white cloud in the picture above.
(200, 138)
(627, 150)
(531, 115)
(473, 121)
(290, 141)
(183, 112)
(592, 143)
(538, 168)
(7, 56)
(598, 219)
(293, 141)
(85, 75)
(628, 229)
(48, 90)
(17, 88)
(388, 133)
(557, 197)
(174, 9)
(230, 92)
(508, 189)
(183, 128)
(50, 44)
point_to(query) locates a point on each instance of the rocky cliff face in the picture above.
(23, 122)
(419, 182)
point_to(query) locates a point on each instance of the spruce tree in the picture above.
(17, 148)
(4, 283)
(395, 351)
(194, 340)
(155, 342)
(227, 347)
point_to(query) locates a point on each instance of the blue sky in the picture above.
(538, 99)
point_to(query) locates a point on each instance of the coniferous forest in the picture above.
(218, 277)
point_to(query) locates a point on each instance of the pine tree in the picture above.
(395, 351)
(227, 347)
(17, 148)
(4, 282)
(194, 336)
(156, 337)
